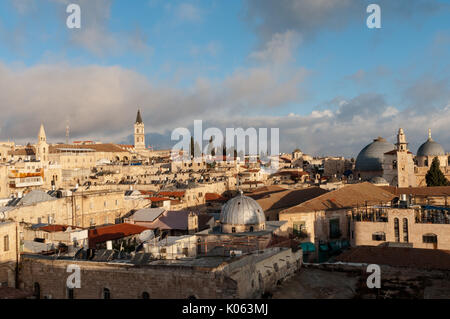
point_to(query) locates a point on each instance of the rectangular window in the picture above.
(429, 239)
(379, 237)
(335, 231)
(6, 243)
(299, 229)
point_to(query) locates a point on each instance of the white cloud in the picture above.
(101, 102)
(188, 12)
(279, 49)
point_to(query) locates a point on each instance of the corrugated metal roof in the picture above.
(147, 214)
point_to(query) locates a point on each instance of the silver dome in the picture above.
(371, 157)
(378, 180)
(242, 210)
(430, 148)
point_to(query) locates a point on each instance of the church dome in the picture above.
(371, 157)
(242, 210)
(378, 180)
(430, 148)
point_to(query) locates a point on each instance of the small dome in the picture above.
(371, 157)
(430, 148)
(378, 180)
(242, 210)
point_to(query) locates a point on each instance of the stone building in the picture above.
(396, 164)
(84, 209)
(325, 219)
(246, 276)
(415, 227)
(9, 255)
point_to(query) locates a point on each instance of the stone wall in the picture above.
(8, 253)
(247, 277)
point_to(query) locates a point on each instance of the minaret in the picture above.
(42, 146)
(139, 133)
(402, 145)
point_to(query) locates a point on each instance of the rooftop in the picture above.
(349, 196)
(430, 259)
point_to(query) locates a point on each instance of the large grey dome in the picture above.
(371, 157)
(242, 210)
(430, 148)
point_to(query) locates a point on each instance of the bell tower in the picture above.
(405, 162)
(402, 145)
(42, 146)
(139, 133)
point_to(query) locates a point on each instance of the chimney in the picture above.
(192, 223)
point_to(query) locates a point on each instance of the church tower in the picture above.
(42, 146)
(139, 133)
(402, 145)
(405, 162)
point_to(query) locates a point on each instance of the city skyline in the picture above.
(327, 81)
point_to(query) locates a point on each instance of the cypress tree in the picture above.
(435, 177)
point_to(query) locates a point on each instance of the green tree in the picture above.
(435, 177)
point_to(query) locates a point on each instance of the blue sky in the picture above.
(313, 69)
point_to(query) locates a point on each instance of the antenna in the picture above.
(67, 131)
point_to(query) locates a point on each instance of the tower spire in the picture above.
(429, 134)
(139, 133)
(139, 117)
(402, 145)
(41, 136)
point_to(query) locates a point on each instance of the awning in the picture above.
(323, 247)
(308, 247)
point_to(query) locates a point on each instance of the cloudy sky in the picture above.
(309, 67)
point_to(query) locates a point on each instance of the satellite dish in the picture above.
(146, 235)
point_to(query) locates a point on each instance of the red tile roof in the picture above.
(113, 232)
(171, 194)
(53, 228)
(158, 199)
(214, 197)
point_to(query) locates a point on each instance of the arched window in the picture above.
(106, 293)
(145, 295)
(396, 230)
(233, 229)
(405, 230)
(37, 291)
(429, 239)
(251, 229)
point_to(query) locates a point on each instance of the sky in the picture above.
(311, 68)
